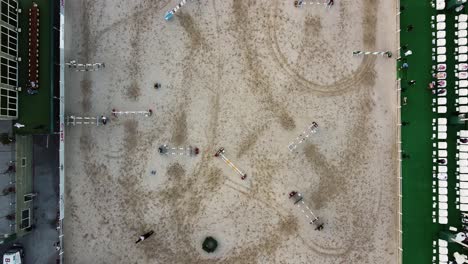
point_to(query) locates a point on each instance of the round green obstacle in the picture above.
(210, 244)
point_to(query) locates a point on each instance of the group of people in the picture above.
(32, 88)
(433, 86)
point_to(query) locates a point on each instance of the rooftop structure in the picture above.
(9, 59)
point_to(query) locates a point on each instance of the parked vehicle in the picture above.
(14, 255)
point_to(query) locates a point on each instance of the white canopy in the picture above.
(441, 84)
(442, 178)
(463, 163)
(462, 25)
(460, 258)
(441, 42)
(463, 148)
(461, 57)
(443, 250)
(443, 198)
(442, 145)
(442, 168)
(441, 58)
(440, 26)
(443, 183)
(441, 50)
(463, 109)
(440, 5)
(441, 34)
(463, 133)
(441, 109)
(464, 177)
(461, 33)
(443, 212)
(444, 221)
(443, 243)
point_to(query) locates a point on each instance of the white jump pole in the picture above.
(85, 67)
(146, 113)
(301, 3)
(375, 53)
(312, 129)
(311, 217)
(85, 120)
(188, 151)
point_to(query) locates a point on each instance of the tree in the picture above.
(6, 139)
(210, 244)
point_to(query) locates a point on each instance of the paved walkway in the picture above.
(39, 244)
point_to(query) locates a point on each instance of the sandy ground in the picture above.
(248, 76)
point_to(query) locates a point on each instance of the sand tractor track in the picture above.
(284, 213)
(340, 87)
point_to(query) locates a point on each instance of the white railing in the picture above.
(399, 173)
(399, 142)
(62, 128)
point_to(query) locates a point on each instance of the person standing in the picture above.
(144, 236)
